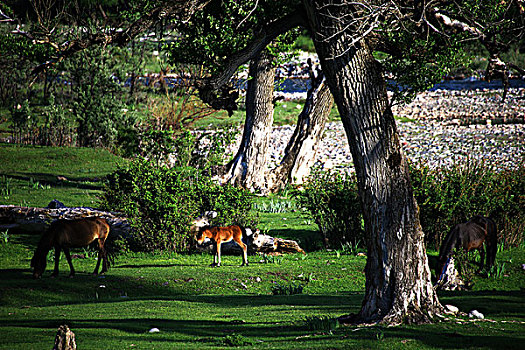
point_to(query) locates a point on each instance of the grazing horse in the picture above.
(219, 235)
(470, 235)
(65, 234)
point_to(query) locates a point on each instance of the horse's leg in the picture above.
(95, 272)
(57, 260)
(482, 257)
(219, 253)
(68, 257)
(214, 254)
(244, 251)
(104, 260)
(491, 254)
(101, 257)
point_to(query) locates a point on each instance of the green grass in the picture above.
(29, 175)
(195, 306)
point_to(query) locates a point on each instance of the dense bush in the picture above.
(446, 197)
(449, 196)
(161, 202)
(332, 201)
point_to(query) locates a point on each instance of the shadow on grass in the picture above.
(213, 331)
(309, 240)
(489, 303)
(51, 179)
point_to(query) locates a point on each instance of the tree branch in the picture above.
(183, 9)
(265, 37)
(215, 90)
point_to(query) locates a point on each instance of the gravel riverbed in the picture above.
(438, 128)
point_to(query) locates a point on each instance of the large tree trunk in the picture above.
(398, 285)
(248, 167)
(300, 151)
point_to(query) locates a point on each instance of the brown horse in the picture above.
(65, 234)
(470, 235)
(223, 234)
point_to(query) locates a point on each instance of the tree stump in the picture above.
(65, 339)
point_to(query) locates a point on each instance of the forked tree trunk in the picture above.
(398, 285)
(301, 149)
(248, 167)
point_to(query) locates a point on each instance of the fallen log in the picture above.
(18, 219)
(257, 243)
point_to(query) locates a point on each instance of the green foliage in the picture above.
(276, 206)
(466, 266)
(452, 195)
(446, 197)
(332, 201)
(162, 201)
(4, 236)
(287, 289)
(97, 104)
(321, 323)
(419, 63)
(237, 340)
(225, 27)
(497, 271)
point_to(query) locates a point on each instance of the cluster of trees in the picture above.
(420, 41)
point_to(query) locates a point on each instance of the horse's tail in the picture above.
(111, 250)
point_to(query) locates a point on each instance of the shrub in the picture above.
(332, 201)
(321, 323)
(287, 289)
(449, 196)
(160, 202)
(446, 197)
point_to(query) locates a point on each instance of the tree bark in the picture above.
(248, 167)
(300, 152)
(398, 285)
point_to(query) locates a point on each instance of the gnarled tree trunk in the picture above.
(398, 285)
(300, 151)
(248, 167)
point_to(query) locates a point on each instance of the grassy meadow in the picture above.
(195, 306)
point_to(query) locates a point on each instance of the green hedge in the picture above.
(161, 202)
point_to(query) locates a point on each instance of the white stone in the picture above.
(451, 309)
(476, 314)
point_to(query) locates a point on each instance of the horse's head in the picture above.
(451, 241)
(38, 263)
(441, 264)
(200, 222)
(199, 236)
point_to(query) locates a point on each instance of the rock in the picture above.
(476, 314)
(55, 204)
(451, 309)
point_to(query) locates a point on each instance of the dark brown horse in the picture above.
(470, 235)
(66, 234)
